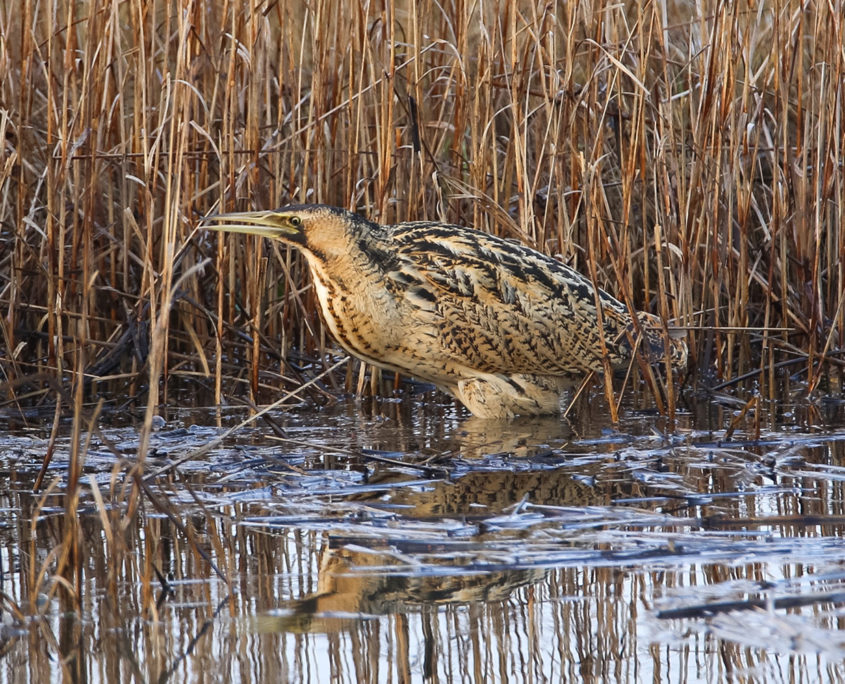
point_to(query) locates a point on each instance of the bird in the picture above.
(498, 325)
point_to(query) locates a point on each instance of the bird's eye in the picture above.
(295, 221)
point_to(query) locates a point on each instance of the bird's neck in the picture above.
(359, 311)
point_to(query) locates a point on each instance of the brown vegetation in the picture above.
(691, 164)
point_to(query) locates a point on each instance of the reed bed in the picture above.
(688, 156)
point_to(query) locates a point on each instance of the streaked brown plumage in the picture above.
(498, 325)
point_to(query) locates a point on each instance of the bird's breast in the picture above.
(384, 319)
(358, 311)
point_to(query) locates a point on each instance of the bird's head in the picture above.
(316, 229)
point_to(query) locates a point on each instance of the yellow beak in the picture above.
(271, 224)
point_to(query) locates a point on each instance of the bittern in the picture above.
(501, 326)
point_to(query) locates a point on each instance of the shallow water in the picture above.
(407, 543)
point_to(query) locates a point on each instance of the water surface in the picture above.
(405, 542)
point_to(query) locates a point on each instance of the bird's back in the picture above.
(502, 307)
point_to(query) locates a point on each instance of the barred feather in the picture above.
(501, 326)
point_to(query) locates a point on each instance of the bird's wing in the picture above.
(502, 307)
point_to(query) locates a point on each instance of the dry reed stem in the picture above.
(123, 123)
